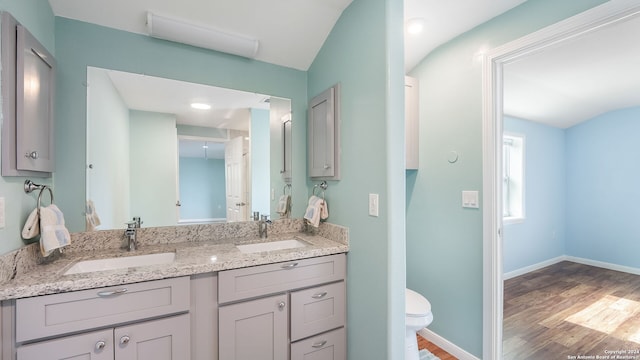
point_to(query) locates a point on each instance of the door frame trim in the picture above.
(598, 17)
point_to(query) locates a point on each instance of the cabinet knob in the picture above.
(281, 305)
(32, 155)
(326, 166)
(125, 340)
(100, 345)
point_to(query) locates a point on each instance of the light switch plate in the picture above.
(470, 199)
(373, 205)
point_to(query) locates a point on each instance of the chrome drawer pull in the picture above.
(100, 345)
(125, 340)
(319, 295)
(319, 344)
(112, 292)
(281, 305)
(289, 266)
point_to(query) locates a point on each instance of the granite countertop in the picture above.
(199, 249)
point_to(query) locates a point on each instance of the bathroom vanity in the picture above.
(212, 302)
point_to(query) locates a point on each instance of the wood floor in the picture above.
(426, 344)
(570, 309)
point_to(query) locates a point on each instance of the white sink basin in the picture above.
(271, 246)
(121, 263)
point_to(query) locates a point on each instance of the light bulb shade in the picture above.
(162, 27)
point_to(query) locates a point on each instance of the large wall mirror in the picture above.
(173, 152)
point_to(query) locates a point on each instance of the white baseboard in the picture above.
(604, 265)
(534, 267)
(596, 263)
(446, 345)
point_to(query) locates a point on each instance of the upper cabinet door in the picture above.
(34, 104)
(412, 122)
(324, 135)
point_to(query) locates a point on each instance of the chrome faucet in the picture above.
(130, 233)
(262, 226)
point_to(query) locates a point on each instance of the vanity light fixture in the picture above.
(172, 29)
(415, 25)
(201, 106)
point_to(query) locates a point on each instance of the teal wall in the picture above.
(202, 189)
(79, 45)
(444, 241)
(107, 151)
(153, 168)
(37, 16)
(357, 54)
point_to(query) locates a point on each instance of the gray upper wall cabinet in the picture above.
(412, 122)
(324, 135)
(28, 88)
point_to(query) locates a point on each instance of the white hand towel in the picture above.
(92, 218)
(284, 204)
(31, 227)
(54, 234)
(50, 224)
(316, 210)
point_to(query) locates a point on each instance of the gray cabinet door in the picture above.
(256, 329)
(90, 346)
(412, 122)
(163, 339)
(34, 104)
(323, 143)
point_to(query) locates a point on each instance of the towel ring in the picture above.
(44, 187)
(30, 186)
(323, 185)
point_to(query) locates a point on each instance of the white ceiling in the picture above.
(444, 20)
(229, 108)
(577, 79)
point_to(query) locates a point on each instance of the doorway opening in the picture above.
(609, 14)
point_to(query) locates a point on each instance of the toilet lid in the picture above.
(416, 304)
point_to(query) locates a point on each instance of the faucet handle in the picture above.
(131, 224)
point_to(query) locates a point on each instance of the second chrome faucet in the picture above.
(262, 226)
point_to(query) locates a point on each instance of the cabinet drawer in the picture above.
(327, 346)
(49, 315)
(269, 279)
(317, 310)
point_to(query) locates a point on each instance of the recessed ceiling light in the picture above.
(201, 106)
(415, 25)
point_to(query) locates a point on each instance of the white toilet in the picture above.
(418, 316)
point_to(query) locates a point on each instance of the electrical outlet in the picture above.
(373, 205)
(2, 213)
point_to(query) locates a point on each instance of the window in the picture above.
(513, 178)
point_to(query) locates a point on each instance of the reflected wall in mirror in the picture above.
(151, 154)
